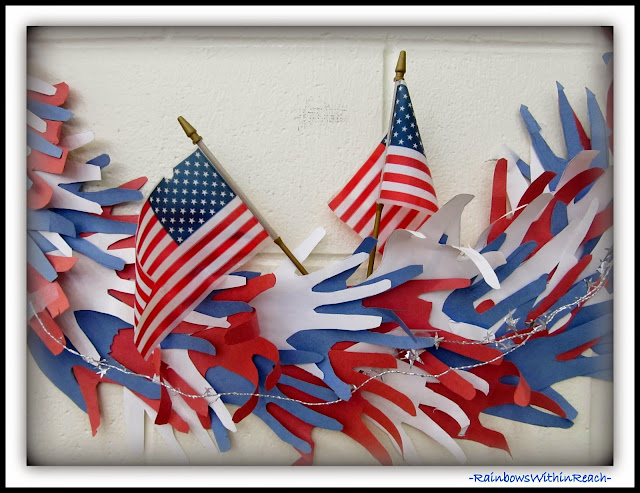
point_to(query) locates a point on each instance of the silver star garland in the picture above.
(537, 325)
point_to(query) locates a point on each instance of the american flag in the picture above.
(191, 231)
(406, 188)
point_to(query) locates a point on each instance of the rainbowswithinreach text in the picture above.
(545, 477)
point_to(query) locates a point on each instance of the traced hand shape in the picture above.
(226, 381)
(412, 387)
(328, 287)
(290, 305)
(45, 301)
(322, 341)
(58, 368)
(419, 394)
(346, 365)
(134, 410)
(179, 361)
(499, 394)
(237, 358)
(538, 360)
(348, 413)
(460, 304)
(113, 339)
(73, 173)
(407, 301)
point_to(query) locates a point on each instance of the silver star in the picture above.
(437, 340)
(590, 284)
(489, 338)
(102, 371)
(155, 378)
(413, 355)
(511, 323)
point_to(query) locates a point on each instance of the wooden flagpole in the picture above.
(197, 139)
(401, 69)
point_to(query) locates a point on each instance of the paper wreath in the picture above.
(439, 334)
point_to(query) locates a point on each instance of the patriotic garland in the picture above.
(438, 335)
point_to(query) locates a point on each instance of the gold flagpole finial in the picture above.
(401, 66)
(189, 130)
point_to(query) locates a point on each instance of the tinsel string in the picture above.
(538, 325)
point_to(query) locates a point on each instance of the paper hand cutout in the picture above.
(225, 381)
(290, 305)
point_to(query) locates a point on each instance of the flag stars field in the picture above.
(198, 192)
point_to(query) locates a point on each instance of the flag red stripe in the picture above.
(360, 225)
(142, 233)
(137, 306)
(142, 275)
(358, 202)
(152, 245)
(364, 169)
(408, 219)
(409, 180)
(388, 213)
(204, 287)
(186, 279)
(408, 161)
(410, 200)
(145, 208)
(160, 258)
(145, 297)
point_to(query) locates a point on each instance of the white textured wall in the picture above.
(291, 113)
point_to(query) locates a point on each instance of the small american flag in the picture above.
(406, 187)
(192, 230)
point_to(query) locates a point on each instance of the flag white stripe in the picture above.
(141, 282)
(371, 175)
(196, 281)
(150, 235)
(140, 300)
(143, 224)
(189, 266)
(363, 209)
(404, 151)
(160, 247)
(408, 171)
(393, 224)
(419, 220)
(144, 288)
(408, 189)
